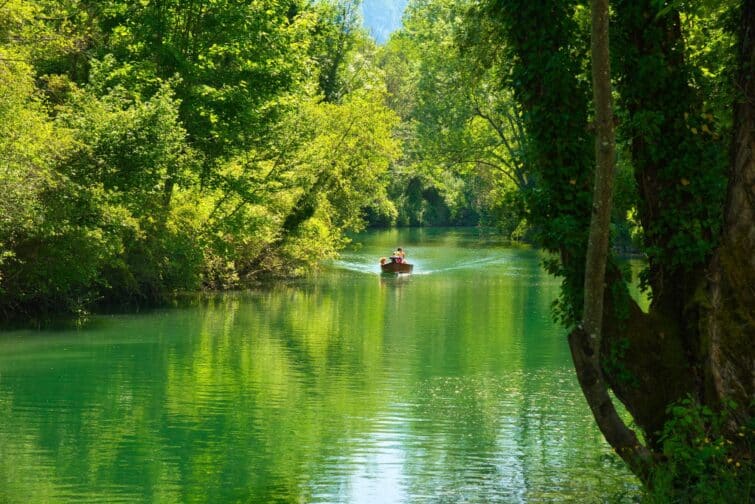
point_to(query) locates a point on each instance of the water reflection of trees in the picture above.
(304, 392)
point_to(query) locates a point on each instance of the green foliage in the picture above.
(547, 76)
(463, 133)
(161, 146)
(137, 152)
(547, 67)
(688, 166)
(284, 210)
(28, 144)
(82, 191)
(335, 36)
(45, 256)
(703, 458)
(237, 63)
(132, 147)
(58, 265)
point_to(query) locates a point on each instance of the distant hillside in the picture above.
(381, 17)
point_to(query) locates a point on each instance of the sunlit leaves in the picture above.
(328, 164)
(461, 126)
(233, 61)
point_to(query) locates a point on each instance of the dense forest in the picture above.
(156, 147)
(160, 146)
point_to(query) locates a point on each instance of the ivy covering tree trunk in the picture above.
(696, 340)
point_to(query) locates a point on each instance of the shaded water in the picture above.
(449, 385)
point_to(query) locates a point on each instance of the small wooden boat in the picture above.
(396, 267)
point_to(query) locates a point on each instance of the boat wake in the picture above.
(472, 264)
(358, 267)
(420, 267)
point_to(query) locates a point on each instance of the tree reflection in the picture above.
(449, 387)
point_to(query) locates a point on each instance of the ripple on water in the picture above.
(449, 387)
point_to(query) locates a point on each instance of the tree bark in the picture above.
(662, 350)
(605, 152)
(728, 322)
(585, 341)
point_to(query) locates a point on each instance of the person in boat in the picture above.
(398, 256)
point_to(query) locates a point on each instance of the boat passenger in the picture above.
(398, 256)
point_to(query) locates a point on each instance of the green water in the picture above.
(449, 385)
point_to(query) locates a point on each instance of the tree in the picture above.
(546, 75)
(687, 219)
(585, 340)
(334, 39)
(136, 153)
(691, 354)
(168, 145)
(54, 234)
(727, 311)
(464, 135)
(235, 63)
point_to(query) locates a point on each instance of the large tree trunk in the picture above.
(662, 351)
(728, 321)
(697, 339)
(584, 341)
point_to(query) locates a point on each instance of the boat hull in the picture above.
(393, 267)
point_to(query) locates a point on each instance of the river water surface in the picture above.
(449, 385)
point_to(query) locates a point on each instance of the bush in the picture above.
(703, 461)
